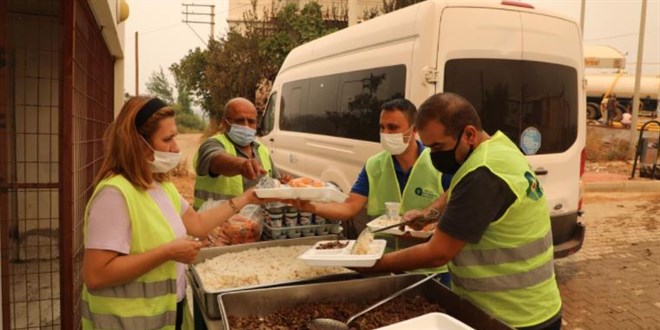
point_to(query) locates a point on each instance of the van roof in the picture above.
(398, 25)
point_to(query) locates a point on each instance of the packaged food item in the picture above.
(305, 183)
(244, 227)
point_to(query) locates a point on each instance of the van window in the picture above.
(343, 105)
(268, 119)
(512, 95)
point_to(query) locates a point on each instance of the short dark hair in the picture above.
(451, 110)
(408, 108)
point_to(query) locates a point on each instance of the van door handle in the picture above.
(540, 171)
(271, 140)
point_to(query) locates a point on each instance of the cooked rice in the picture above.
(363, 242)
(259, 266)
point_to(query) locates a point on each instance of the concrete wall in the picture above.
(108, 14)
(238, 7)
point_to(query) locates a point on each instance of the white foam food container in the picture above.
(430, 321)
(325, 194)
(343, 257)
(384, 221)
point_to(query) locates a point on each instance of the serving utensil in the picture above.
(367, 233)
(332, 324)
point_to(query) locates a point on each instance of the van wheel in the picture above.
(593, 111)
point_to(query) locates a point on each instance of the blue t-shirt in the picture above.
(361, 185)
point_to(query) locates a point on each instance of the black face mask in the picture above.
(445, 161)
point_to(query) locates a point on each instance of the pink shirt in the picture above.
(109, 226)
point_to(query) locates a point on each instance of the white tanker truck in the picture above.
(600, 86)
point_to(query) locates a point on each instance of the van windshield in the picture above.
(513, 96)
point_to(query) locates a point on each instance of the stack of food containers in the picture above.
(284, 221)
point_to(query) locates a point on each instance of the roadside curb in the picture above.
(627, 186)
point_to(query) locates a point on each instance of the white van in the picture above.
(521, 68)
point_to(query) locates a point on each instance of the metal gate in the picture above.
(88, 111)
(56, 80)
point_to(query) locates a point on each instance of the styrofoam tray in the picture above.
(384, 221)
(325, 194)
(430, 321)
(343, 257)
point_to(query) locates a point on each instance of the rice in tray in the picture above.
(363, 242)
(258, 267)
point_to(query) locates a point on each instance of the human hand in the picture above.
(183, 249)
(284, 179)
(252, 198)
(251, 169)
(408, 217)
(302, 205)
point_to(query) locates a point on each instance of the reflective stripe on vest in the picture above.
(503, 255)
(149, 301)
(107, 321)
(138, 289)
(424, 184)
(225, 187)
(509, 273)
(506, 282)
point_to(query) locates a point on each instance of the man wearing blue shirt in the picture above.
(402, 172)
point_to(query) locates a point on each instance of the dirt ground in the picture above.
(184, 177)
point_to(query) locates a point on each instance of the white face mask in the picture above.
(163, 161)
(241, 135)
(394, 143)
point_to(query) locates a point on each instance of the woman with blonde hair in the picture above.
(137, 226)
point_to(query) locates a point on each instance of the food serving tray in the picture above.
(342, 256)
(208, 298)
(325, 194)
(384, 221)
(430, 321)
(269, 300)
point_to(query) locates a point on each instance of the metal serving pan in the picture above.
(268, 300)
(208, 299)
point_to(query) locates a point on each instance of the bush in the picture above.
(188, 122)
(600, 148)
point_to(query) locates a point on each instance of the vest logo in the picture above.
(534, 190)
(419, 191)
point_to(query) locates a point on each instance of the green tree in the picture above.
(159, 86)
(186, 120)
(248, 58)
(388, 7)
(190, 72)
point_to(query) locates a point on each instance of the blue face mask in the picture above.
(241, 135)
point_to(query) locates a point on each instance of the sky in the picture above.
(164, 39)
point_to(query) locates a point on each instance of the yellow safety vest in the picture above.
(148, 302)
(225, 187)
(423, 187)
(509, 273)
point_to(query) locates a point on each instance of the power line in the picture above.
(211, 14)
(195, 32)
(167, 27)
(631, 34)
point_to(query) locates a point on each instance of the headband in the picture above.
(148, 110)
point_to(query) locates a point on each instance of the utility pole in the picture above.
(582, 7)
(209, 11)
(638, 74)
(137, 66)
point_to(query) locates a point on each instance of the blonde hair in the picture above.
(125, 152)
